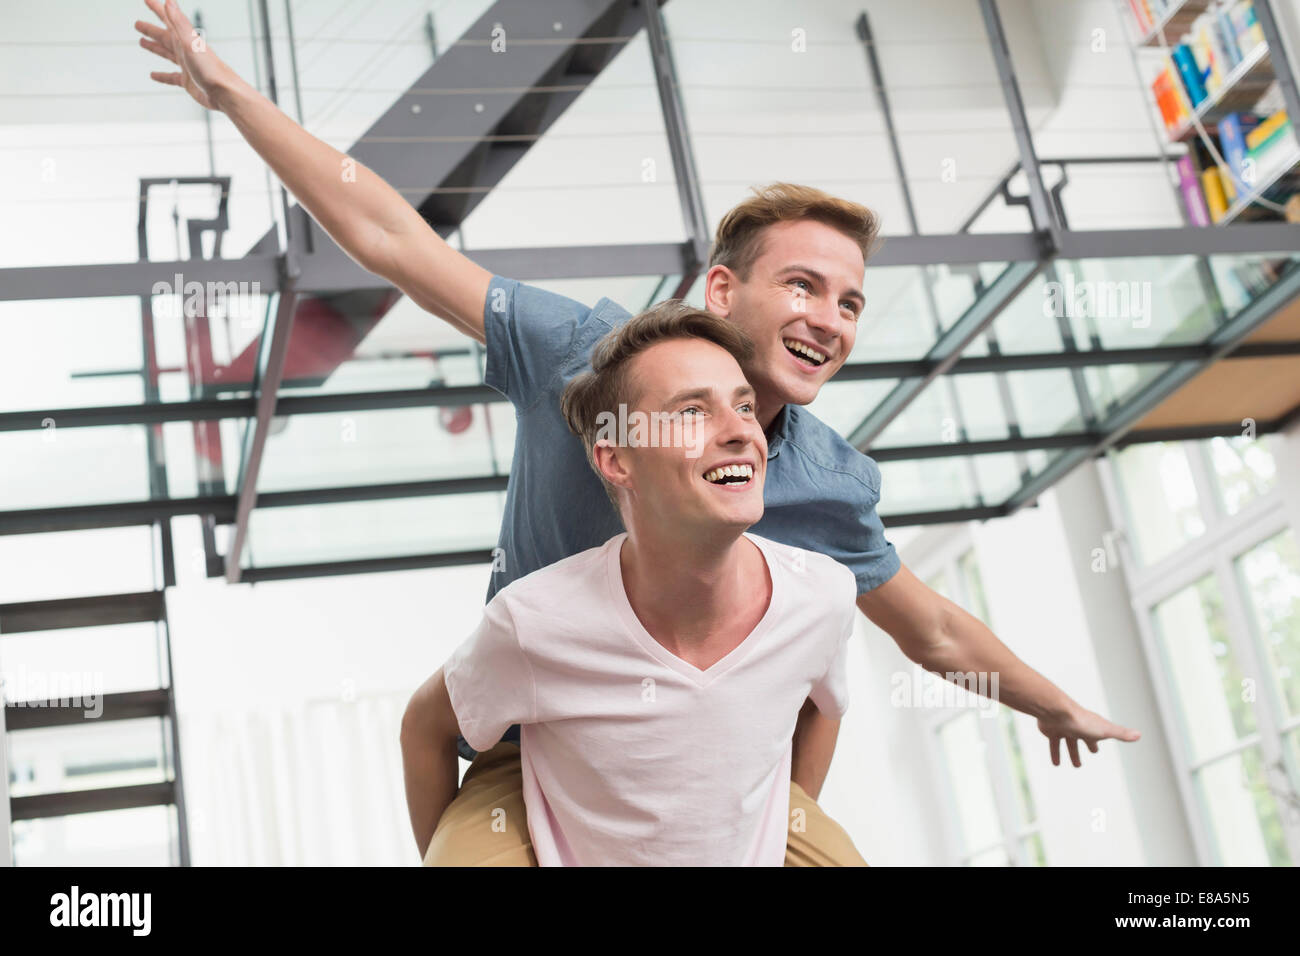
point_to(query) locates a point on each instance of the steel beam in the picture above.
(97, 280)
(679, 143)
(1115, 425)
(1041, 211)
(275, 346)
(132, 705)
(92, 801)
(1255, 238)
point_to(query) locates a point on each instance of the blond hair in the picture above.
(738, 242)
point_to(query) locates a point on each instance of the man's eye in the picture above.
(747, 406)
(802, 282)
(690, 408)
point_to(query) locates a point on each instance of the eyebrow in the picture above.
(852, 293)
(704, 393)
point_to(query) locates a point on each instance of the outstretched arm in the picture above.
(941, 637)
(366, 216)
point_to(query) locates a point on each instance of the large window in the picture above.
(1213, 566)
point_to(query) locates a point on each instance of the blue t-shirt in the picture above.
(820, 493)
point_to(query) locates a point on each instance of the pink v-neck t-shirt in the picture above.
(632, 756)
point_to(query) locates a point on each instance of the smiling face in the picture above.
(704, 472)
(800, 304)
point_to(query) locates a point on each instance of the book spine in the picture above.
(1212, 187)
(1192, 198)
(1186, 63)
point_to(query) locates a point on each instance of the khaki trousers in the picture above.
(486, 825)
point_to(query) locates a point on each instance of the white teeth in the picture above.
(729, 471)
(799, 347)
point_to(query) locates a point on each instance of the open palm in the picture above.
(201, 71)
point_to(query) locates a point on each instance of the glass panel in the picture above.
(53, 463)
(963, 751)
(1271, 577)
(1208, 682)
(1243, 813)
(1244, 469)
(844, 404)
(392, 445)
(88, 756)
(109, 659)
(980, 404)
(1109, 385)
(900, 318)
(63, 564)
(1164, 513)
(1045, 401)
(140, 836)
(373, 529)
(1241, 278)
(929, 484)
(73, 353)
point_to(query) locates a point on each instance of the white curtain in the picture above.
(314, 784)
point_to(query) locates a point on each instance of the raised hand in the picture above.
(1080, 724)
(202, 73)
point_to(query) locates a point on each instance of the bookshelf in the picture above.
(1214, 68)
(1175, 22)
(1242, 87)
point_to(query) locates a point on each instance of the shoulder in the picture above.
(511, 297)
(558, 585)
(809, 571)
(828, 451)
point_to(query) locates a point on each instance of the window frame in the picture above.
(1215, 554)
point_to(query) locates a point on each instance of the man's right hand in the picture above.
(202, 73)
(368, 218)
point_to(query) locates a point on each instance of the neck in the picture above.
(684, 585)
(768, 407)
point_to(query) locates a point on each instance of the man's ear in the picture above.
(610, 463)
(720, 285)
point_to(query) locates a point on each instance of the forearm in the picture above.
(355, 206)
(968, 646)
(429, 765)
(813, 747)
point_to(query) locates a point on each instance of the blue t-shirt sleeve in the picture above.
(869, 554)
(530, 334)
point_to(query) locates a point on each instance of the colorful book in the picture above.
(1232, 140)
(1191, 189)
(1170, 104)
(1212, 188)
(1266, 131)
(1185, 62)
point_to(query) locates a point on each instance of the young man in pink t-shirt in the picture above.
(658, 678)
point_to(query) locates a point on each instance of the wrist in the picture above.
(229, 90)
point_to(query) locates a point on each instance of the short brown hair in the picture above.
(602, 389)
(738, 242)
